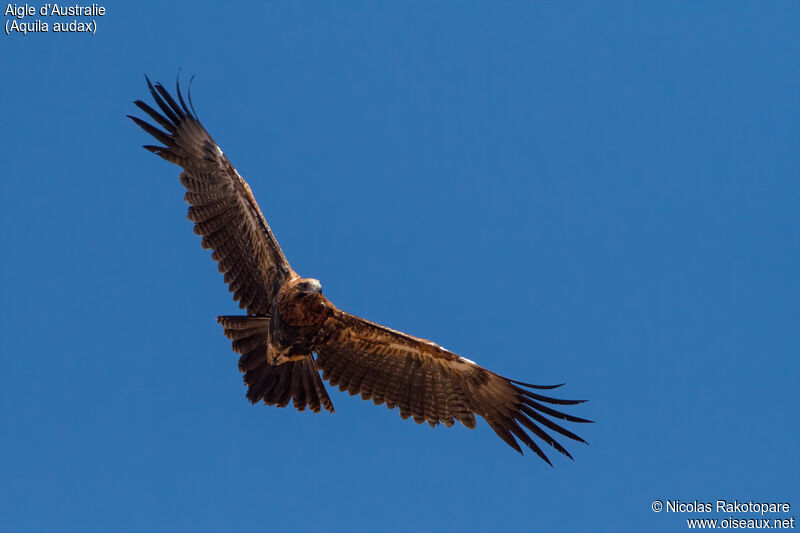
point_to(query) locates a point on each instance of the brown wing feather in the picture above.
(223, 208)
(432, 384)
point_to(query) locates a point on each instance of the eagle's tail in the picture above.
(298, 380)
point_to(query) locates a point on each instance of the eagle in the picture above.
(289, 321)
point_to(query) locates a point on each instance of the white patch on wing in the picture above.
(462, 363)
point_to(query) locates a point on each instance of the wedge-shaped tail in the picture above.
(298, 381)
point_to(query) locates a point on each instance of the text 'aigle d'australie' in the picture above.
(19, 13)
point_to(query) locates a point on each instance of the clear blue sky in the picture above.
(599, 193)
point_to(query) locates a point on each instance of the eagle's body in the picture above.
(289, 320)
(298, 313)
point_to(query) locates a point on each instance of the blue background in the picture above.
(599, 193)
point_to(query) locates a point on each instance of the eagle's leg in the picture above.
(280, 359)
(277, 357)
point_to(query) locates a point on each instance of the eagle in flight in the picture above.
(289, 320)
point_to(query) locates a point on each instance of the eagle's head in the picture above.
(301, 303)
(309, 286)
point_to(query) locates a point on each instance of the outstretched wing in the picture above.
(223, 208)
(435, 385)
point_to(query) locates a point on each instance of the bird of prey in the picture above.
(288, 319)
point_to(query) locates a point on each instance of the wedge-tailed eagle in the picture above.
(288, 319)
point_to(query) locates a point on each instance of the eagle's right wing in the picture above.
(432, 384)
(223, 208)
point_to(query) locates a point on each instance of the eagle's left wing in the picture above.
(223, 208)
(432, 384)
